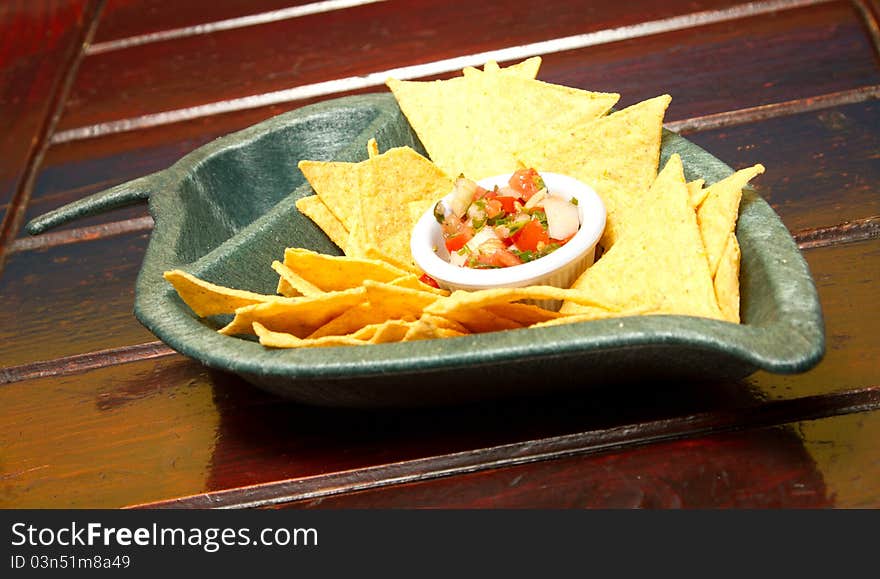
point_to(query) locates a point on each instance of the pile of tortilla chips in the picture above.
(669, 246)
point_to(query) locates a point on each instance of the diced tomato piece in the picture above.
(498, 258)
(531, 234)
(508, 204)
(505, 258)
(526, 182)
(493, 208)
(428, 280)
(457, 241)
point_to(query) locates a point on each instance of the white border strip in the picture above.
(432, 68)
(228, 24)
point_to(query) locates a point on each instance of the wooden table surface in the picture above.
(97, 413)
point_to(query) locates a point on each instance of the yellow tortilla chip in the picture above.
(337, 184)
(526, 69)
(425, 329)
(727, 280)
(290, 284)
(616, 155)
(525, 314)
(298, 316)
(480, 320)
(208, 299)
(383, 302)
(696, 193)
(660, 264)
(337, 272)
(412, 281)
(719, 211)
(372, 148)
(398, 179)
(589, 314)
(401, 301)
(315, 209)
(463, 300)
(271, 339)
(351, 321)
(495, 115)
(392, 331)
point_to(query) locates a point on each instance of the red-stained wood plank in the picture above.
(39, 41)
(70, 299)
(75, 169)
(124, 19)
(822, 166)
(831, 462)
(793, 54)
(846, 279)
(168, 428)
(250, 61)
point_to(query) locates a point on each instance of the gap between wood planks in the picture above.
(11, 243)
(378, 78)
(765, 415)
(11, 223)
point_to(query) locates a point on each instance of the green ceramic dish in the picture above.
(226, 211)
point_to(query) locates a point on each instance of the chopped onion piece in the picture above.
(563, 220)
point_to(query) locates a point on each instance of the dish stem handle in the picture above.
(121, 195)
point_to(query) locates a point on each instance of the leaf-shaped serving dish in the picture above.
(225, 211)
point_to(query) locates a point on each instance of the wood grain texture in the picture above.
(846, 278)
(810, 464)
(38, 41)
(123, 19)
(822, 166)
(75, 169)
(794, 54)
(70, 299)
(167, 428)
(371, 38)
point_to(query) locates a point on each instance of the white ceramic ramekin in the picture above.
(560, 268)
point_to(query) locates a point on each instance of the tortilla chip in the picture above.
(398, 179)
(660, 264)
(372, 148)
(337, 184)
(392, 331)
(495, 115)
(425, 329)
(298, 316)
(401, 301)
(526, 69)
(525, 314)
(208, 299)
(412, 281)
(351, 320)
(727, 280)
(480, 320)
(463, 300)
(271, 339)
(590, 314)
(696, 193)
(337, 272)
(290, 284)
(719, 211)
(316, 210)
(617, 155)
